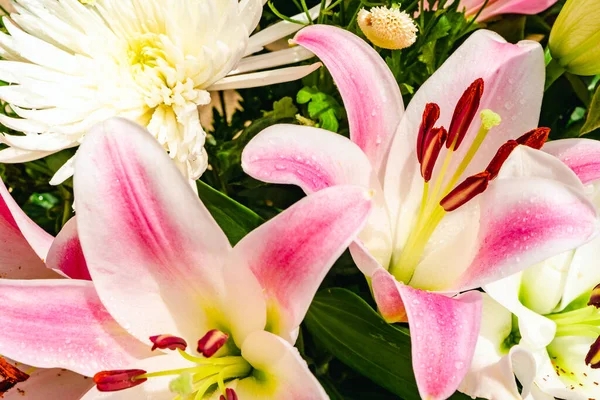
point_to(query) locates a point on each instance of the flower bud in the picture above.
(388, 28)
(575, 37)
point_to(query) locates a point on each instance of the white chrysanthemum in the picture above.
(388, 28)
(72, 65)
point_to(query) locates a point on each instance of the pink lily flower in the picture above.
(423, 242)
(164, 275)
(28, 252)
(499, 7)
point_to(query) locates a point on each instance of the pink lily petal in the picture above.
(370, 91)
(153, 250)
(24, 244)
(581, 155)
(311, 158)
(53, 383)
(526, 221)
(39, 239)
(387, 296)
(62, 323)
(317, 230)
(66, 254)
(443, 336)
(315, 159)
(498, 7)
(286, 374)
(514, 83)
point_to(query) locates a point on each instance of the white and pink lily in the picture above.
(552, 345)
(164, 274)
(28, 252)
(423, 238)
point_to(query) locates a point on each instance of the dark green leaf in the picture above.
(354, 333)
(593, 119)
(235, 219)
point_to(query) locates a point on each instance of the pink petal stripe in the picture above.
(153, 250)
(61, 323)
(38, 239)
(308, 157)
(370, 92)
(581, 155)
(291, 254)
(66, 254)
(443, 336)
(388, 299)
(523, 222)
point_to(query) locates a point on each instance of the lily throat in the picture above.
(442, 192)
(205, 376)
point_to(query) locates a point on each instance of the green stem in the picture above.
(553, 71)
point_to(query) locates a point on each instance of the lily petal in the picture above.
(537, 331)
(315, 159)
(39, 240)
(24, 244)
(311, 158)
(581, 155)
(387, 296)
(155, 255)
(370, 92)
(514, 84)
(53, 383)
(499, 7)
(443, 336)
(66, 254)
(62, 323)
(492, 372)
(285, 374)
(317, 230)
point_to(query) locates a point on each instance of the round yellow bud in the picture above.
(388, 28)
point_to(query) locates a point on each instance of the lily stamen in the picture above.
(168, 342)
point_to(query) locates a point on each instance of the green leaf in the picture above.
(235, 219)
(345, 325)
(593, 119)
(321, 106)
(284, 108)
(354, 333)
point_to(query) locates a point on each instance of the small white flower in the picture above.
(71, 64)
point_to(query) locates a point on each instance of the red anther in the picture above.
(501, 156)
(168, 342)
(535, 138)
(464, 112)
(471, 187)
(592, 358)
(10, 376)
(212, 342)
(431, 150)
(112, 381)
(230, 394)
(430, 116)
(595, 297)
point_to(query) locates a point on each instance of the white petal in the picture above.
(264, 78)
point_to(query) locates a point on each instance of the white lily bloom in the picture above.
(71, 65)
(543, 324)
